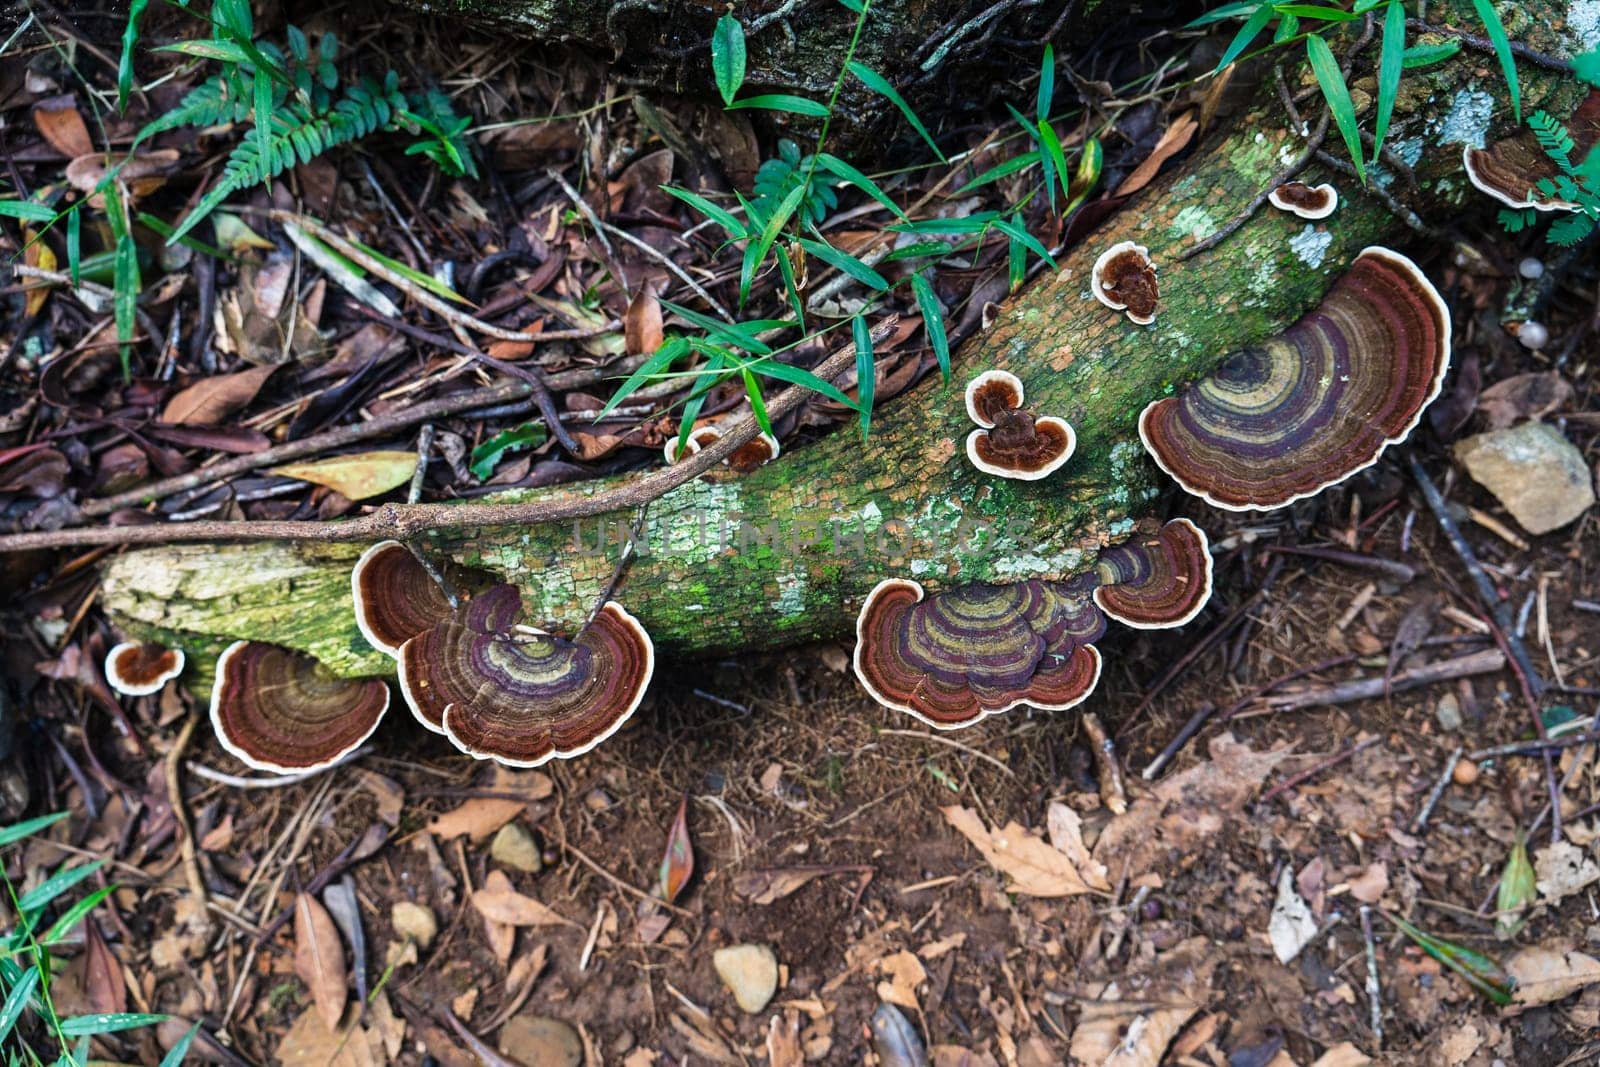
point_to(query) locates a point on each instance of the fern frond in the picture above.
(1554, 138)
(1568, 231)
(298, 135)
(211, 103)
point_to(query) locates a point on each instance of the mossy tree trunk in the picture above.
(786, 554)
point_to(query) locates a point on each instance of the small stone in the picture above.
(514, 847)
(540, 1041)
(751, 974)
(1448, 712)
(1534, 471)
(415, 922)
(1465, 772)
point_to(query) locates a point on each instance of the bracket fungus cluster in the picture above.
(1011, 442)
(282, 711)
(1314, 405)
(1306, 201)
(1519, 173)
(954, 658)
(1124, 279)
(757, 452)
(137, 669)
(496, 688)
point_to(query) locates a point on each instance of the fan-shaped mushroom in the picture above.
(1306, 201)
(956, 657)
(396, 598)
(758, 451)
(698, 438)
(513, 693)
(137, 669)
(1124, 279)
(1314, 405)
(1156, 582)
(280, 710)
(1511, 169)
(1012, 442)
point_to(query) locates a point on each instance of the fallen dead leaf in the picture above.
(210, 400)
(319, 958)
(783, 1040)
(103, 983)
(642, 323)
(1035, 868)
(502, 937)
(1545, 974)
(503, 904)
(1563, 869)
(1371, 884)
(677, 862)
(1343, 1055)
(357, 476)
(766, 886)
(477, 818)
(1065, 828)
(59, 123)
(905, 973)
(309, 1043)
(1291, 926)
(1112, 1032)
(1173, 140)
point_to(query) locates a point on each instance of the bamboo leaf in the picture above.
(728, 57)
(110, 1023)
(932, 321)
(880, 85)
(854, 177)
(1390, 62)
(130, 40)
(784, 372)
(866, 371)
(55, 885)
(1226, 11)
(209, 48)
(847, 263)
(26, 210)
(1047, 84)
(1058, 160)
(1502, 50)
(176, 1054)
(721, 216)
(798, 105)
(1326, 68)
(1426, 55)
(1247, 33)
(1480, 972)
(758, 406)
(16, 1000)
(1002, 170)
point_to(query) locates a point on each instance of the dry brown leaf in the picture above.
(59, 123)
(1545, 974)
(783, 1040)
(1343, 1055)
(905, 973)
(502, 937)
(356, 476)
(1035, 869)
(1066, 837)
(642, 323)
(768, 885)
(503, 904)
(210, 400)
(478, 818)
(308, 1043)
(102, 975)
(388, 793)
(1112, 1032)
(1524, 396)
(1173, 141)
(142, 173)
(956, 1056)
(41, 255)
(319, 958)
(1370, 884)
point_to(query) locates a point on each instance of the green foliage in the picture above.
(1479, 971)
(1331, 79)
(1586, 67)
(27, 966)
(728, 57)
(297, 106)
(782, 174)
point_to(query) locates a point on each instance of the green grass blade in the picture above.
(108, 1023)
(26, 210)
(769, 234)
(1058, 160)
(1426, 55)
(427, 281)
(75, 244)
(740, 334)
(16, 1000)
(1247, 33)
(784, 372)
(697, 396)
(721, 216)
(55, 885)
(17, 832)
(973, 223)
(130, 40)
(1226, 11)
(1001, 170)
(728, 57)
(932, 321)
(672, 349)
(1047, 84)
(880, 85)
(1014, 229)
(758, 405)
(1334, 90)
(177, 1052)
(1315, 11)
(798, 105)
(1502, 50)
(841, 169)
(1479, 971)
(866, 372)
(847, 263)
(1390, 60)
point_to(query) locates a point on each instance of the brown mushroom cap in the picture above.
(1156, 582)
(136, 669)
(396, 599)
(1511, 169)
(698, 438)
(1316, 404)
(282, 711)
(758, 451)
(518, 695)
(957, 657)
(1124, 278)
(1306, 201)
(1011, 442)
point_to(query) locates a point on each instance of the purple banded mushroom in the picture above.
(137, 669)
(1314, 405)
(1511, 170)
(282, 711)
(1012, 442)
(1124, 279)
(1306, 201)
(954, 658)
(396, 599)
(513, 693)
(1156, 582)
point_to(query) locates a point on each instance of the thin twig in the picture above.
(951, 742)
(1421, 821)
(626, 887)
(1400, 572)
(594, 220)
(402, 522)
(1288, 173)
(667, 261)
(1311, 772)
(180, 813)
(424, 452)
(1487, 661)
(234, 781)
(1176, 745)
(1374, 1000)
(1534, 748)
(1486, 46)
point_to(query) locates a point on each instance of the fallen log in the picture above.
(786, 554)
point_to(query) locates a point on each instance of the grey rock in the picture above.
(540, 1041)
(1535, 472)
(514, 847)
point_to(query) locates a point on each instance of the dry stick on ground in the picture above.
(1421, 821)
(1400, 572)
(1485, 662)
(1374, 1000)
(180, 812)
(402, 522)
(1311, 772)
(1295, 166)
(1534, 748)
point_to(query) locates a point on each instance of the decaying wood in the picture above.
(785, 555)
